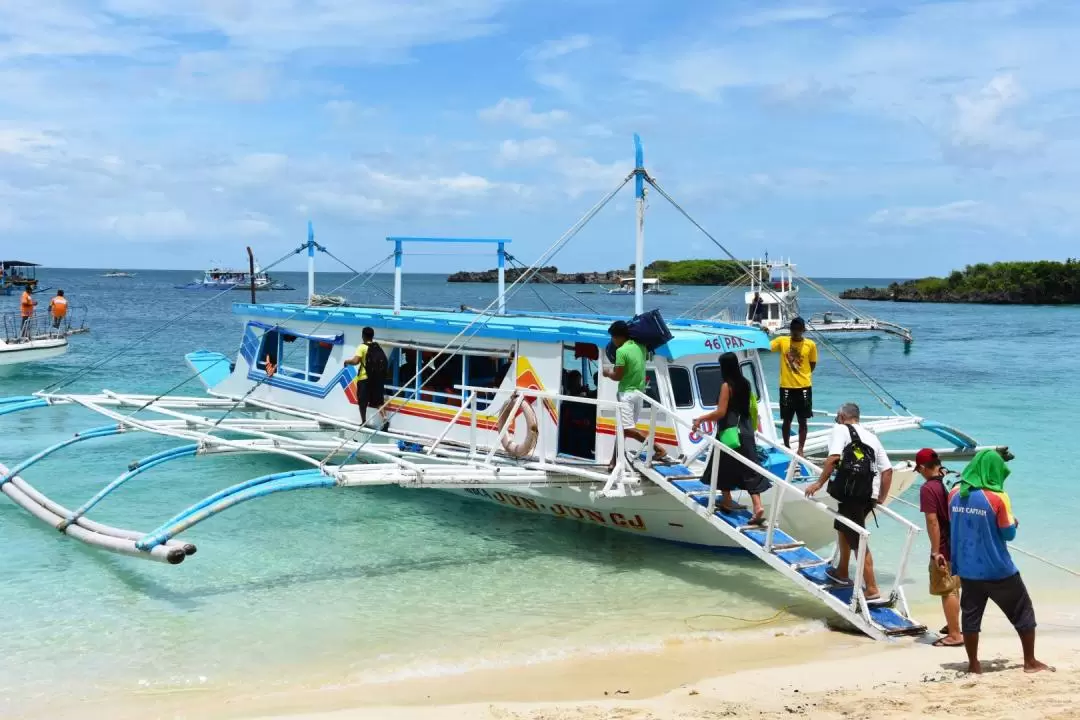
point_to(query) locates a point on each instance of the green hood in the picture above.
(986, 471)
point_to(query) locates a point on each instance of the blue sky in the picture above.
(862, 138)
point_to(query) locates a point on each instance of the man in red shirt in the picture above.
(934, 504)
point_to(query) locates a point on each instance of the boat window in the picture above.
(485, 371)
(318, 355)
(652, 389)
(679, 377)
(774, 312)
(269, 348)
(709, 381)
(751, 375)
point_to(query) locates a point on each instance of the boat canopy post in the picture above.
(639, 251)
(399, 252)
(310, 262)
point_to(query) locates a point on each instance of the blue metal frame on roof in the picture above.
(690, 337)
(460, 241)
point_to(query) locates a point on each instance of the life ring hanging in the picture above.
(511, 446)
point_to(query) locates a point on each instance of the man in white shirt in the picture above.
(855, 510)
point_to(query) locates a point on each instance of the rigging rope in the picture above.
(584, 304)
(76, 376)
(1020, 550)
(479, 321)
(258, 383)
(824, 341)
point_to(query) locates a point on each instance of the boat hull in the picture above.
(18, 353)
(657, 514)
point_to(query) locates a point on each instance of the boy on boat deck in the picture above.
(371, 365)
(629, 372)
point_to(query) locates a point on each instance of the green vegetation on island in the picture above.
(669, 272)
(1042, 282)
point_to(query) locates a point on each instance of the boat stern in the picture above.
(212, 367)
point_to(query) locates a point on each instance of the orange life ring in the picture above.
(511, 446)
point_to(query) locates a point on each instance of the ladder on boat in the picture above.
(784, 553)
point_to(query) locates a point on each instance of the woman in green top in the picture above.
(735, 408)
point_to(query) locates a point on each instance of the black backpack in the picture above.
(854, 478)
(375, 363)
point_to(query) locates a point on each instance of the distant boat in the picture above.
(118, 274)
(328, 301)
(651, 286)
(17, 274)
(219, 278)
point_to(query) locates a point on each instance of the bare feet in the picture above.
(1035, 666)
(975, 667)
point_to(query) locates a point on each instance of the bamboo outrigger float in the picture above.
(503, 407)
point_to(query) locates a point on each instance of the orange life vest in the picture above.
(270, 367)
(26, 305)
(59, 306)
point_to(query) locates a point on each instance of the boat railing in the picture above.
(786, 487)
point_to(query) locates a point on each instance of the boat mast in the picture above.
(639, 254)
(310, 262)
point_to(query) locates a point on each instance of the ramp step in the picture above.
(799, 556)
(674, 471)
(799, 562)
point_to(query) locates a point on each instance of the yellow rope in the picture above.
(748, 621)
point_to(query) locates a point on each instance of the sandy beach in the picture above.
(764, 673)
(908, 681)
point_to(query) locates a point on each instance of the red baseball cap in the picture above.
(926, 456)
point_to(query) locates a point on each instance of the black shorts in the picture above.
(1009, 594)
(796, 402)
(369, 394)
(855, 511)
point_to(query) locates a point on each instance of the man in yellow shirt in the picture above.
(798, 358)
(371, 368)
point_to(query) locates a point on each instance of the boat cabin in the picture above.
(460, 394)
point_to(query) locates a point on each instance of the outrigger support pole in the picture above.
(639, 251)
(310, 262)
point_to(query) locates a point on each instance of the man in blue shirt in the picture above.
(982, 523)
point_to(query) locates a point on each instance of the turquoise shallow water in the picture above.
(330, 587)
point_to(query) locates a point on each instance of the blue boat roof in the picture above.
(691, 336)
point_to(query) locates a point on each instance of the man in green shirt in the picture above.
(629, 372)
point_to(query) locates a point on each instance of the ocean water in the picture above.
(330, 587)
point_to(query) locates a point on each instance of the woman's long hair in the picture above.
(740, 386)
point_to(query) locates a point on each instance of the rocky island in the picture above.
(670, 272)
(1042, 282)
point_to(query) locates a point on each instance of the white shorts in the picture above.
(629, 409)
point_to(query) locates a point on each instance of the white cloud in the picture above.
(553, 49)
(21, 141)
(514, 151)
(981, 130)
(585, 174)
(149, 224)
(786, 15)
(968, 212)
(519, 111)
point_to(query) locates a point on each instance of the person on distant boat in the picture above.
(798, 360)
(982, 525)
(863, 478)
(736, 407)
(371, 368)
(934, 504)
(757, 308)
(629, 372)
(58, 307)
(26, 308)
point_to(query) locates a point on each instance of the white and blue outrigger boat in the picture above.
(510, 408)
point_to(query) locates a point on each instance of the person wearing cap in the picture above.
(934, 504)
(629, 372)
(798, 359)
